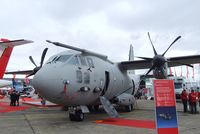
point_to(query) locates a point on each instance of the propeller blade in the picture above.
(43, 56)
(150, 70)
(31, 59)
(171, 44)
(154, 50)
(33, 73)
(145, 58)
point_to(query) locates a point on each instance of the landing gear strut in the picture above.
(76, 114)
(129, 108)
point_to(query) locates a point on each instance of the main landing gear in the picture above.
(76, 114)
(129, 108)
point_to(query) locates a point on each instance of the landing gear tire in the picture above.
(77, 116)
(72, 117)
(96, 108)
(129, 108)
(90, 108)
(65, 108)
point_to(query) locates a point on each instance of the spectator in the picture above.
(43, 101)
(13, 98)
(193, 101)
(199, 97)
(17, 98)
(184, 98)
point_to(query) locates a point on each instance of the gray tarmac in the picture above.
(53, 120)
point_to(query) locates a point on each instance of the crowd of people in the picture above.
(192, 99)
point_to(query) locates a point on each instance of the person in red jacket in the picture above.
(193, 102)
(184, 98)
(199, 97)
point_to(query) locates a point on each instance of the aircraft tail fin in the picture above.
(131, 53)
(131, 58)
(6, 48)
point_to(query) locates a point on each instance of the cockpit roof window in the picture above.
(82, 60)
(90, 62)
(63, 58)
(74, 61)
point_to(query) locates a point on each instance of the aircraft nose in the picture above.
(44, 83)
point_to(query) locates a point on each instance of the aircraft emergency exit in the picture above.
(81, 79)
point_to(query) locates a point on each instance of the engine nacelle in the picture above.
(124, 99)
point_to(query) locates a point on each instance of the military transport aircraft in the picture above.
(82, 80)
(6, 48)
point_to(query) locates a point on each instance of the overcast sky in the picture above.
(103, 26)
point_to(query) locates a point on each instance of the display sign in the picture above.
(165, 103)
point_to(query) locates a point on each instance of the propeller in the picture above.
(171, 44)
(159, 60)
(37, 68)
(154, 50)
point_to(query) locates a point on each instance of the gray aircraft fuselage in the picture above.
(72, 79)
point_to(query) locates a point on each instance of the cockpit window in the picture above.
(50, 60)
(55, 58)
(63, 58)
(83, 61)
(90, 62)
(74, 61)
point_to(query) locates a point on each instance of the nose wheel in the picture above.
(76, 115)
(129, 108)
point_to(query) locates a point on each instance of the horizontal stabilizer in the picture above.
(15, 43)
(20, 72)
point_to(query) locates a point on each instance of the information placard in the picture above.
(165, 103)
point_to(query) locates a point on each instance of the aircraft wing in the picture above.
(177, 61)
(136, 64)
(83, 51)
(173, 61)
(20, 72)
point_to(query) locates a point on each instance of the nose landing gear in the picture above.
(76, 114)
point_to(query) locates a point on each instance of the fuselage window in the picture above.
(74, 61)
(90, 62)
(86, 77)
(83, 61)
(63, 58)
(79, 76)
